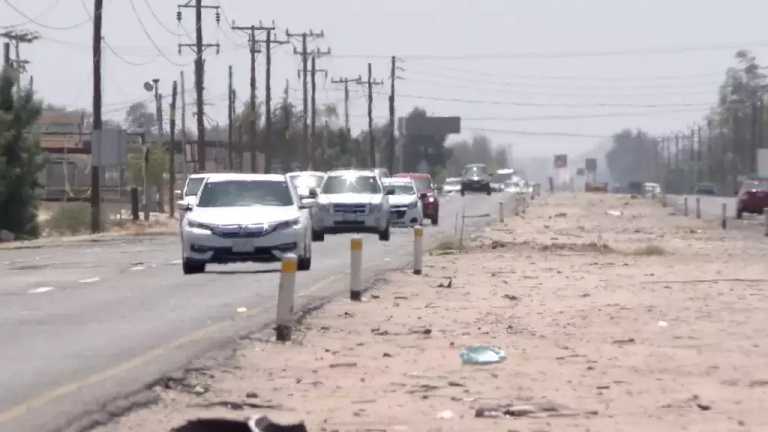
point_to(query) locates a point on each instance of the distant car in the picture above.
(245, 218)
(705, 189)
(352, 201)
(753, 197)
(191, 188)
(405, 207)
(452, 185)
(430, 202)
(499, 181)
(651, 189)
(475, 178)
(305, 181)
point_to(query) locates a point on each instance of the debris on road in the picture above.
(482, 355)
(242, 309)
(445, 415)
(448, 284)
(616, 213)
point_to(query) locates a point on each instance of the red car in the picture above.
(753, 197)
(430, 203)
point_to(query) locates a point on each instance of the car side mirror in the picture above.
(312, 194)
(389, 192)
(423, 195)
(307, 203)
(183, 206)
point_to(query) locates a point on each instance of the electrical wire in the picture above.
(33, 20)
(579, 116)
(125, 60)
(149, 36)
(54, 4)
(159, 21)
(540, 133)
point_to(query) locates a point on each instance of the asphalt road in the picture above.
(88, 322)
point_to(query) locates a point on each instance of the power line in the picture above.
(125, 60)
(38, 23)
(564, 54)
(540, 133)
(159, 21)
(578, 116)
(51, 6)
(154, 44)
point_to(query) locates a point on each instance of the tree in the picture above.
(20, 158)
(138, 117)
(633, 157)
(424, 150)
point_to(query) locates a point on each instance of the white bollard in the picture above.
(501, 211)
(418, 249)
(765, 213)
(698, 207)
(285, 298)
(685, 206)
(356, 270)
(724, 222)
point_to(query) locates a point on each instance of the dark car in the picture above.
(475, 178)
(430, 203)
(753, 197)
(705, 189)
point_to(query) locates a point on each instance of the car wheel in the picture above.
(434, 220)
(190, 267)
(384, 235)
(462, 192)
(305, 263)
(739, 214)
(318, 236)
(488, 192)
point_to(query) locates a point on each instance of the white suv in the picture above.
(352, 202)
(245, 218)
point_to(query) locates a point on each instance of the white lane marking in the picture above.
(137, 268)
(89, 280)
(175, 262)
(242, 310)
(41, 290)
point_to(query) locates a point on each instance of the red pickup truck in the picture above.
(753, 197)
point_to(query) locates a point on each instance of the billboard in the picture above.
(430, 125)
(561, 161)
(591, 165)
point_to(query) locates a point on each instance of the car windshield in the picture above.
(193, 186)
(307, 181)
(351, 184)
(422, 184)
(756, 185)
(501, 178)
(402, 189)
(474, 170)
(245, 193)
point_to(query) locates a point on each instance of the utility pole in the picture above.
(391, 144)
(677, 151)
(268, 150)
(198, 48)
(306, 160)
(6, 54)
(230, 103)
(16, 38)
(253, 48)
(96, 134)
(346, 82)
(313, 133)
(158, 108)
(184, 123)
(371, 141)
(172, 153)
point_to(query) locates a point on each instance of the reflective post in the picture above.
(356, 270)
(418, 249)
(285, 298)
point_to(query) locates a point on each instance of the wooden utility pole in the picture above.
(172, 153)
(230, 102)
(198, 48)
(305, 53)
(6, 54)
(253, 48)
(97, 124)
(313, 127)
(184, 123)
(16, 38)
(391, 144)
(370, 82)
(346, 81)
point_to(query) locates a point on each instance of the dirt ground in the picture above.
(635, 321)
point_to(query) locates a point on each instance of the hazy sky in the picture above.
(579, 67)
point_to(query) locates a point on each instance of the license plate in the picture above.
(347, 217)
(242, 245)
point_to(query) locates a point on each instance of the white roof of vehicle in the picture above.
(345, 173)
(305, 173)
(398, 181)
(246, 177)
(506, 171)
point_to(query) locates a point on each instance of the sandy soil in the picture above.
(638, 322)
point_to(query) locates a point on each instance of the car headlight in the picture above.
(413, 205)
(199, 225)
(431, 199)
(279, 226)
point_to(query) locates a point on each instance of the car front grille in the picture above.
(359, 209)
(241, 231)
